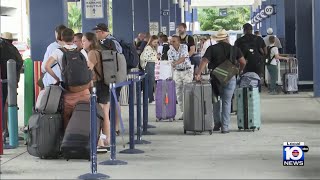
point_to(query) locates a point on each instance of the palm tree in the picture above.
(74, 17)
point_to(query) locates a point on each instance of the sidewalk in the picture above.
(173, 155)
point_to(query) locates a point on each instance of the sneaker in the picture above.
(216, 128)
(181, 117)
(153, 103)
(103, 149)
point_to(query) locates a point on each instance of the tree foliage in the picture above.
(74, 17)
(211, 21)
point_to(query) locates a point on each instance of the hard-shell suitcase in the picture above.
(76, 140)
(198, 107)
(49, 99)
(166, 100)
(290, 77)
(44, 135)
(249, 113)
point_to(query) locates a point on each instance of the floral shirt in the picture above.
(150, 54)
(175, 55)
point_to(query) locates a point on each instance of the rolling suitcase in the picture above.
(49, 99)
(248, 112)
(44, 135)
(166, 100)
(76, 140)
(198, 107)
(290, 77)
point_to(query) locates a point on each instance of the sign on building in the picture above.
(154, 28)
(94, 9)
(172, 26)
(164, 30)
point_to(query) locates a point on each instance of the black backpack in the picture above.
(251, 54)
(75, 71)
(165, 50)
(269, 58)
(9, 51)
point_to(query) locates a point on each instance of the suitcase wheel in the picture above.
(170, 120)
(258, 129)
(185, 131)
(157, 120)
(194, 133)
(210, 132)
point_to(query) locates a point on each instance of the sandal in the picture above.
(103, 149)
(118, 133)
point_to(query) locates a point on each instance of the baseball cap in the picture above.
(269, 31)
(102, 27)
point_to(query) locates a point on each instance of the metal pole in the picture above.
(113, 107)
(93, 140)
(12, 104)
(28, 92)
(93, 131)
(131, 149)
(139, 125)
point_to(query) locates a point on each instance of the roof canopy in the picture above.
(225, 3)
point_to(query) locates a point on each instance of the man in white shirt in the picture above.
(183, 73)
(47, 78)
(277, 41)
(272, 64)
(207, 44)
(164, 48)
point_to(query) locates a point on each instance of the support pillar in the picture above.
(123, 20)
(304, 39)
(45, 15)
(316, 46)
(141, 16)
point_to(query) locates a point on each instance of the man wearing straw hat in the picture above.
(8, 51)
(216, 55)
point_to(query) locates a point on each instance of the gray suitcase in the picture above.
(49, 99)
(198, 108)
(290, 77)
(76, 140)
(44, 135)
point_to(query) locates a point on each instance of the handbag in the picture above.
(226, 70)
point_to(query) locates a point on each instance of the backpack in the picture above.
(130, 53)
(165, 50)
(9, 51)
(114, 67)
(252, 55)
(75, 72)
(128, 50)
(269, 57)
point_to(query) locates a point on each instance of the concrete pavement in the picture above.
(173, 155)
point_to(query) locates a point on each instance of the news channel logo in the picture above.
(293, 153)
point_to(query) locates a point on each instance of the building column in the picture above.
(316, 46)
(290, 26)
(141, 17)
(45, 15)
(173, 16)
(304, 39)
(123, 20)
(165, 18)
(94, 16)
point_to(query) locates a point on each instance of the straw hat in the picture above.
(7, 35)
(221, 35)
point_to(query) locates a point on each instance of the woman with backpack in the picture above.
(92, 46)
(149, 57)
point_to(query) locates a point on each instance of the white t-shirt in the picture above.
(57, 56)
(207, 44)
(274, 51)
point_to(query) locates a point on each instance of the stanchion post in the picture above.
(131, 149)
(139, 124)
(93, 140)
(28, 92)
(12, 104)
(113, 160)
